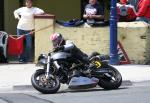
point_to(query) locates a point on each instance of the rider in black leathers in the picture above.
(60, 43)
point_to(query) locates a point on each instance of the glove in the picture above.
(58, 48)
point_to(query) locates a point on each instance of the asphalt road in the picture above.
(137, 93)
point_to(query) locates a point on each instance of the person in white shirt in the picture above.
(25, 15)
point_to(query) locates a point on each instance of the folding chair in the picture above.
(3, 42)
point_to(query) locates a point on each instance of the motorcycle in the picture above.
(60, 67)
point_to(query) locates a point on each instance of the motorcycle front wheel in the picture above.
(112, 82)
(44, 85)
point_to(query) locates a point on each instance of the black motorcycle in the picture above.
(61, 67)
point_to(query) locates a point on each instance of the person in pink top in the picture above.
(143, 13)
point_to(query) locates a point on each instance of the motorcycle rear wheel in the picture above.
(44, 86)
(109, 84)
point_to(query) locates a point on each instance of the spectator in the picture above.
(126, 12)
(25, 15)
(93, 12)
(143, 13)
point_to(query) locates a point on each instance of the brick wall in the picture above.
(134, 36)
(87, 39)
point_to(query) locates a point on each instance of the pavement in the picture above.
(18, 76)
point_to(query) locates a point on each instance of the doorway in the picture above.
(1, 15)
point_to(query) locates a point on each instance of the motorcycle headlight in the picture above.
(42, 59)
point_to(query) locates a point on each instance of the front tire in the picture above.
(40, 83)
(108, 83)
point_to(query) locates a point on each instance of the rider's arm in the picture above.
(69, 45)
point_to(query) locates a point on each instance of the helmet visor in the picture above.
(56, 42)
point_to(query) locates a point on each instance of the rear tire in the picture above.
(110, 84)
(38, 82)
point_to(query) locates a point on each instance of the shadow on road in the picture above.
(86, 90)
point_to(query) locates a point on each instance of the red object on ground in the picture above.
(15, 45)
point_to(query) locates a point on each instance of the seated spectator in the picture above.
(143, 13)
(126, 12)
(93, 12)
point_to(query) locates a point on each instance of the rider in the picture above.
(59, 43)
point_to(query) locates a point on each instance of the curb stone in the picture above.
(30, 87)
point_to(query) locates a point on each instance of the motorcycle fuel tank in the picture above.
(60, 55)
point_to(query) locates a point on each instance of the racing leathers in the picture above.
(70, 47)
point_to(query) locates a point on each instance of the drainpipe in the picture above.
(114, 60)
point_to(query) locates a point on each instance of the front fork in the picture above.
(48, 66)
